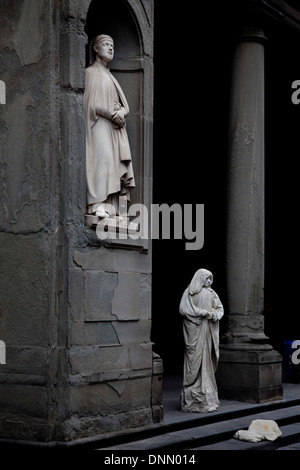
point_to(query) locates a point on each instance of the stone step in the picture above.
(290, 439)
(209, 433)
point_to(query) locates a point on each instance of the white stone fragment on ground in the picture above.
(259, 430)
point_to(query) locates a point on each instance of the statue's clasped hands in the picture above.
(118, 116)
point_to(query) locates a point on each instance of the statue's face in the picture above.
(208, 282)
(105, 50)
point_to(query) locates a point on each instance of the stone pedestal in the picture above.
(249, 375)
(249, 369)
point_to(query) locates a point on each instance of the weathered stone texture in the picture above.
(93, 333)
(99, 406)
(26, 286)
(99, 293)
(29, 133)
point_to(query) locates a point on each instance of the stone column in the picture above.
(249, 368)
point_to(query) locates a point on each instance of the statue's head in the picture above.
(202, 278)
(103, 45)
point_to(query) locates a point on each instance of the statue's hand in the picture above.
(209, 316)
(119, 117)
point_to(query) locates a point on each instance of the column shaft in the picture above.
(245, 231)
(249, 369)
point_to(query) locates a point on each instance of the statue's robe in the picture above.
(109, 168)
(201, 338)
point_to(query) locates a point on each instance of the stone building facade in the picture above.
(76, 313)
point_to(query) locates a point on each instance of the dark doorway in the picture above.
(192, 66)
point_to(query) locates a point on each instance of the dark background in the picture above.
(193, 62)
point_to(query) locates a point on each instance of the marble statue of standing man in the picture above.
(201, 309)
(108, 158)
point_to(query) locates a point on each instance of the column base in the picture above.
(250, 376)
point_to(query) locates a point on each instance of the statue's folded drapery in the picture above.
(108, 158)
(202, 309)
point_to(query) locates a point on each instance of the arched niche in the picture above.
(129, 24)
(114, 18)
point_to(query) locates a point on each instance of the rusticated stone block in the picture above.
(90, 360)
(76, 297)
(23, 400)
(94, 333)
(103, 399)
(140, 356)
(126, 301)
(99, 293)
(133, 332)
(26, 281)
(145, 297)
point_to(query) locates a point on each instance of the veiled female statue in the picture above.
(201, 309)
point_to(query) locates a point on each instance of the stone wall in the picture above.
(75, 313)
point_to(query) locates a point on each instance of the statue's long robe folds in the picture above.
(108, 158)
(201, 338)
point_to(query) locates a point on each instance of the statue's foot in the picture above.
(101, 212)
